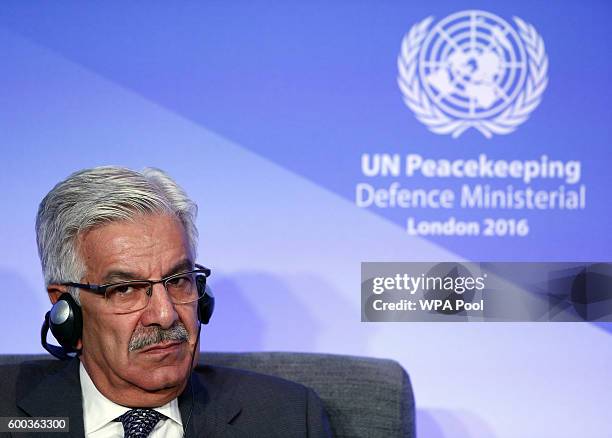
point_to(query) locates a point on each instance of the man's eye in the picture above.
(123, 289)
(178, 281)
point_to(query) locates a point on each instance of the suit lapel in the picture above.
(56, 395)
(211, 410)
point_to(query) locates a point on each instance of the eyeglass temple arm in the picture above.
(95, 288)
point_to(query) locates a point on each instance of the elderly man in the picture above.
(118, 252)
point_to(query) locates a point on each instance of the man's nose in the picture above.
(160, 310)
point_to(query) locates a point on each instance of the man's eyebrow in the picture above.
(118, 275)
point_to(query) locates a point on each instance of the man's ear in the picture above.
(55, 291)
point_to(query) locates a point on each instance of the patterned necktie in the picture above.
(138, 423)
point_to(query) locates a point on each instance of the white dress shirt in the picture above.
(99, 414)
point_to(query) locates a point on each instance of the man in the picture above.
(118, 250)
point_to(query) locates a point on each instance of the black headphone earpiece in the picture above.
(66, 323)
(206, 303)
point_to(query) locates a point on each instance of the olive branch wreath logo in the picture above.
(503, 123)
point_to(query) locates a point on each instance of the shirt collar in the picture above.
(98, 411)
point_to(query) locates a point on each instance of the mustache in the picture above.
(145, 336)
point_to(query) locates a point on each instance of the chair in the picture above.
(364, 397)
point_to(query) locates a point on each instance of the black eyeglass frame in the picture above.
(100, 289)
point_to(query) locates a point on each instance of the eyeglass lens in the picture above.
(134, 295)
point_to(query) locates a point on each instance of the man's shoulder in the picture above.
(245, 384)
(267, 403)
(28, 372)
(17, 379)
(34, 367)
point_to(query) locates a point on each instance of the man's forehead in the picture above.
(139, 246)
(114, 273)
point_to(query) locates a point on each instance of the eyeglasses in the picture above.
(131, 296)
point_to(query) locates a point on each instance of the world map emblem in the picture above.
(472, 69)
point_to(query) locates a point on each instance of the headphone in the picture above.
(65, 320)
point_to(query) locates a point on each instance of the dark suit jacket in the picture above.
(227, 402)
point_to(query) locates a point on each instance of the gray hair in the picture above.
(92, 197)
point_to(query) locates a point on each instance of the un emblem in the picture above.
(472, 70)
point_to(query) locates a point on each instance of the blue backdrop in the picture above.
(263, 111)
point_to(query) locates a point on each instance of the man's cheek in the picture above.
(189, 318)
(115, 338)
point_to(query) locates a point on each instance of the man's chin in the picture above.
(161, 380)
(160, 368)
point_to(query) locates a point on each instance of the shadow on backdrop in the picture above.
(257, 311)
(236, 324)
(605, 326)
(443, 423)
(19, 334)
